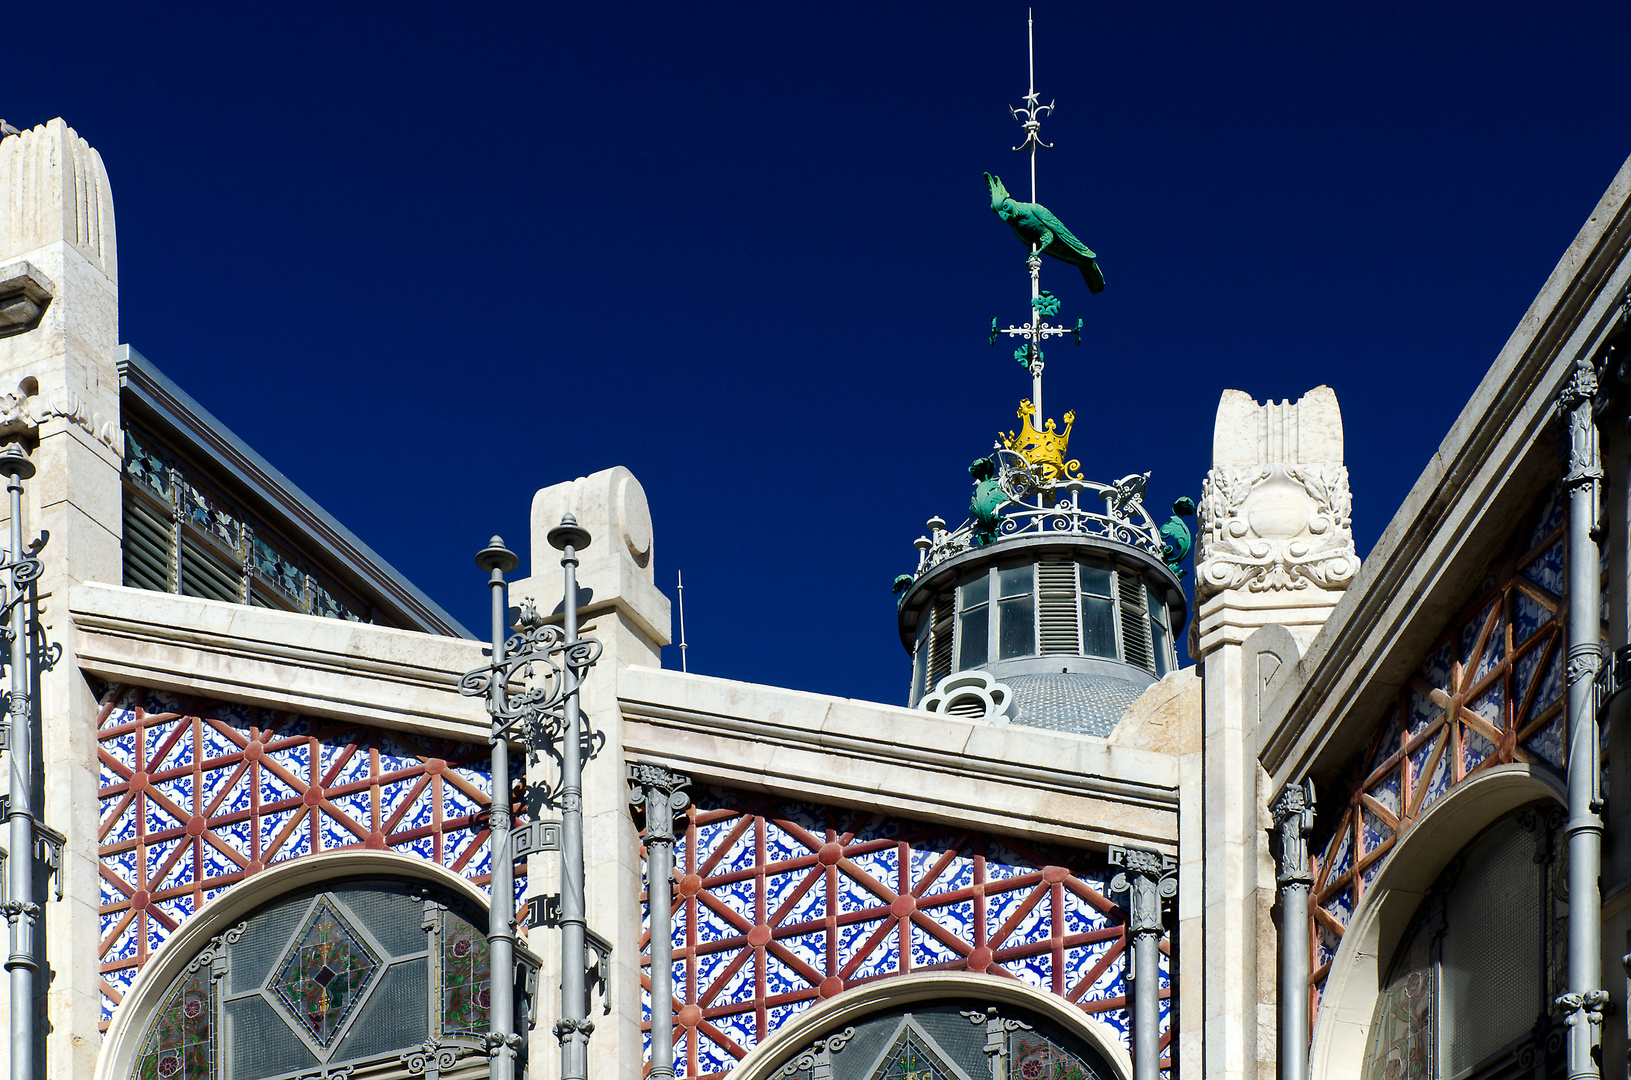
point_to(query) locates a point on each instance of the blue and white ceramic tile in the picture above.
(781, 846)
(1035, 970)
(394, 757)
(742, 1027)
(780, 978)
(777, 1015)
(957, 918)
(456, 804)
(811, 948)
(882, 866)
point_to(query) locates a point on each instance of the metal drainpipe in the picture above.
(1293, 820)
(1147, 877)
(21, 910)
(574, 1026)
(502, 1040)
(662, 793)
(1582, 1003)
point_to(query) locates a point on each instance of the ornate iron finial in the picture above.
(1033, 109)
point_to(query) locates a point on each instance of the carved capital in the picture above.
(662, 792)
(1148, 877)
(1273, 527)
(1293, 820)
(1582, 1007)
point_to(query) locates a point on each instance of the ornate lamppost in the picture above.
(25, 833)
(549, 663)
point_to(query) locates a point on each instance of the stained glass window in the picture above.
(946, 1040)
(324, 975)
(197, 796)
(181, 1045)
(1036, 1057)
(911, 1059)
(1401, 1031)
(1468, 990)
(329, 981)
(466, 977)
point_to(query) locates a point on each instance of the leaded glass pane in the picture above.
(972, 628)
(1033, 1057)
(466, 977)
(1099, 626)
(1016, 610)
(1095, 580)
(1402, 1027)
(182, 1043)
(324, 975)
(911, 1059)
(1491, 969)
(1017, 635)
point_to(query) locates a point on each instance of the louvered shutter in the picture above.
(1135, 621)
(149, 546)
(1058, 611)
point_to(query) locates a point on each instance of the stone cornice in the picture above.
(1048, 785)
(1487, 469)
(398, 679)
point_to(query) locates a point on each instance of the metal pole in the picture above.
(662, 792)
(502, 1041)
(1034, 264)
(1030, 59)
(574, 1026)
(1148, 878)
(1293, 820)
(1582, 1004)
(21, 910)
(680, 577)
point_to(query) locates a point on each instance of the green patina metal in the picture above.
(902, 583)
(1177, 537)
(1046, 304)
(1035, 224)
(985, 508)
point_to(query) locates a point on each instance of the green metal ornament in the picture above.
(1037, 227)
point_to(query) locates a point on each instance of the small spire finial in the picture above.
(1033, 110)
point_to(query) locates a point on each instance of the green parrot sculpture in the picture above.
(1176, 537)
(1035, 224)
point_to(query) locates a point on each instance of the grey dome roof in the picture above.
(1076, 702)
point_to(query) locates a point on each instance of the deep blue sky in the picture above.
(429, 259)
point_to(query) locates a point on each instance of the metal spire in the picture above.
(1035, 331)
(1033, 110)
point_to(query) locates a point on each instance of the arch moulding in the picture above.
(1342, 1029)
(857, 1004)
(123, 1040)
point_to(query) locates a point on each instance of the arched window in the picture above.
(373, 973)
(1469, 989)
(950, 1040)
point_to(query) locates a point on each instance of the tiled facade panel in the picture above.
(198, 795)
(1489, 692)
(779, 905)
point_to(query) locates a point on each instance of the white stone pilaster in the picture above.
(620, 605)
(1275, 550)
(59, 389)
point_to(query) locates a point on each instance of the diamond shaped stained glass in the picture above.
(324, 975)
(911, 1058)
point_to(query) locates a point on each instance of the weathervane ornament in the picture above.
(1044, 234)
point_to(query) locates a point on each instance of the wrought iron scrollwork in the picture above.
(547, 666)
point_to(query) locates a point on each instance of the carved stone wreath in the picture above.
(1275, 527)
